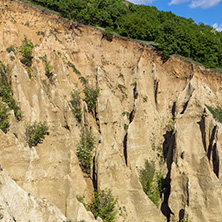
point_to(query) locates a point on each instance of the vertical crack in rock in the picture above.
(156, 84)
(169, 146)
(185, 106)
(125, 148)
(173, 111)
(216, 160)
(212, 139)
(187, 191)
(212, 151)
(94, 175)
(131, 117)
(202, 125)
(185, 97)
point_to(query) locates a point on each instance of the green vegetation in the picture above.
(151, 181)
(90, 98)
(216, 112)
(6, 92)
(35, 133)
(108, 34)
(75, 102)
(25, 51)
(41, 33)
(84, 151)
(4, 117)
(102, 205)
(74, 68)
(186, 219)
(11, 48)
(170, 125)
(48, 67)
(163, 30)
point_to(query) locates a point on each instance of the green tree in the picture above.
(103, 205)
(91, 98)
(35, 133)
(84, 151)
(25, 51)
(4, 117)
(151, 181)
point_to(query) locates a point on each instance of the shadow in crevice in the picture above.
(181, 214)
(94, 175)
(202, 125)
(185, 106)
(125, 148)
(169, 145)
(216, 160)
(165, 209)
(212, 138)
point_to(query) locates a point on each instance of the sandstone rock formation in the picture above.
(139, 95)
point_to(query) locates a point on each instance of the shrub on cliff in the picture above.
(4, 117)
(103, 205)
(25, 51)
(84, 151)
(216, 112)
(90, 98)
(48, 67)
(75, 102)
(151, 181)
(35, 133)
(6, 92)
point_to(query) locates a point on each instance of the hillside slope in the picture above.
(146, 110)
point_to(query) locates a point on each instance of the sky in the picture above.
(207, 11)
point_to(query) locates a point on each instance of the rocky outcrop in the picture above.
(139, 96)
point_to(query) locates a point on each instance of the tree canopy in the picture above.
(173, 34)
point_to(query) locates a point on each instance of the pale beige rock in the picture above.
(138, 96)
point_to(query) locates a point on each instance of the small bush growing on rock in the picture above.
(48, 67)
(75, 102)
(151, 182)
(170, 125)
(35, 133)
(84, 151)
(90, 98)
(25, 51)
(186, 219)
(216, 112)
(74, 68)
(11, 48)
(6, 92)
(4, 117)
(103, 205)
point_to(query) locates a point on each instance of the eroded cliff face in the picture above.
(138, 97)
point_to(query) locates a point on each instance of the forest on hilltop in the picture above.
(171, 34)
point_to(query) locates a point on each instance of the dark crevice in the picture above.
(125, 148)
(187, 192)
(185, 106)
(181, 214)
(216, 160)
(169, 146)
(135, 92)
(210, 147)
(173, 111)
(156, 84)
(131, 117)
(202, 125)
(67, 127)
(165, 209)
(94, 175)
